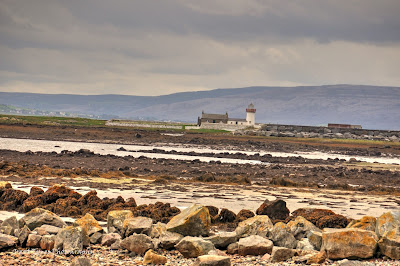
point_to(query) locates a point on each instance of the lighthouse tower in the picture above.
(251, 115)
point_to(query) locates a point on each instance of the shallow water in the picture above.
(23, 145)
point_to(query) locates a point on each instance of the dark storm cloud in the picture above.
(157, 47)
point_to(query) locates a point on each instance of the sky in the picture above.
(157, 47)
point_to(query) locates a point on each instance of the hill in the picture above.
(373, 107)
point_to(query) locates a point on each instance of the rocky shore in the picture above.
(197, 235)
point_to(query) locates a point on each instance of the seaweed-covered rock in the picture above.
(276, 210)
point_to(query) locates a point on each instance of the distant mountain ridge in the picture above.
(374, 107)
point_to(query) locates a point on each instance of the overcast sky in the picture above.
(153, 47)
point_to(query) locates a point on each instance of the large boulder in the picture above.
(366, 223)
(223, 239)
(276, 210)
(115, 220)
(212, 260)
(192, 247)
(349, 243)
(300, 227)
(138, 225)
(193, 221)
(254, 245)
(388, 227)
(281, 236)
(258, 225)
(387, 222)
(71, 239)
(138, 243)
(389, 244)
(7, 241)
(92, 227)
(38, 217)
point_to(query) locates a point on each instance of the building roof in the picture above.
(214, 116)
(237, 119)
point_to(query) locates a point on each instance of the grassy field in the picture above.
(50, 120)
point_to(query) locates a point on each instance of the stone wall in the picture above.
(325, 132)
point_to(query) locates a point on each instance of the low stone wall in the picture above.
(124, 124)
(325, 132)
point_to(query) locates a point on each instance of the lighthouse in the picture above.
(251, 114)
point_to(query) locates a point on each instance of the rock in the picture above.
(233, 248)
(280, 254)
(137, 243)
(50, 229)
(115, 220)
(158, 229)
(33, 241)
(5, 185)
(333, 221)
(9, 225)
(81, 261)
(60, 192)
(168, 240)
(47, 242)
(23, 235)
(244, 215)
(300, 227)
(387, 222)
(212, 260)
(304, 244)
(212, 210)
(193, 221)
(116, 245)
(349, 243)
(310, 214)
(315, 239)
(366, 223)
(318, 258)
(35, 191)
(153, 258)
(89, 223)
(282, 236)
(192, 247)
(40, 231)
(226, 216)
(38, 217)
(257, 225)
(109, 239)
(12, 199)
(138, 225)
(7, 241)
(223, 239)
(95, 238)
(71, 239)
(276, 210)
(389, 244)
(254, 245)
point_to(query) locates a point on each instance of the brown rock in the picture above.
(257, 225)
(109, 239)
(192, 247)
(366, 223)
(81, 261)
(47, 242)
(333, 221)
(319, 258)
(254, 245)
(233, 248)
(12, 199)
(33, 241)
(212, 260)
(276, 210)
(244, 215)
(350, 243)
(35, 191)
(138, 225)
(226, 216)
(137, 243)
(280, 254)
(89, 223)
(153, 258)
(7, 241)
